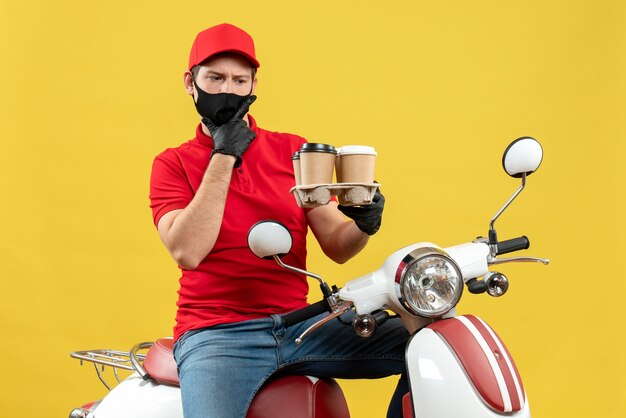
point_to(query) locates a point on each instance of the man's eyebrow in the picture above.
(215, 72)
(243, 74)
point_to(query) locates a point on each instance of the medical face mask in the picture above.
(218, 107)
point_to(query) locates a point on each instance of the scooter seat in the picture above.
(280, 397)
(160, 363)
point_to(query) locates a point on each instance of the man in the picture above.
(205, 196)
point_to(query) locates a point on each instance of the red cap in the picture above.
(222, 38)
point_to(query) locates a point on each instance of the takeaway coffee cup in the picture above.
(317, 163)
(338, 166)
(295, 159)
(356, 164)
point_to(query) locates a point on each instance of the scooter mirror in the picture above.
(269, 238)
(522, 156)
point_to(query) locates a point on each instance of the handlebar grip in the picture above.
(305, 313)
(515, 244)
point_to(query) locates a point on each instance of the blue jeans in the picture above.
(222, 367)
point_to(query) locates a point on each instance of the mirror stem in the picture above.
(492, 231)
(325, 289)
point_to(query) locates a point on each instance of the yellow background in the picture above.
(90, 92)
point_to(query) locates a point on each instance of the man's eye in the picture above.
(215, 78)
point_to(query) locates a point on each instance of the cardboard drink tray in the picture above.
(348, 194)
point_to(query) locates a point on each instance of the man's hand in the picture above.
(369, 217)
(233, 137)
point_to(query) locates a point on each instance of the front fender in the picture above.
(459, 367)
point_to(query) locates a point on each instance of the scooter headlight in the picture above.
(428, 282)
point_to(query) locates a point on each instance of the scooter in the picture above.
(457, 366)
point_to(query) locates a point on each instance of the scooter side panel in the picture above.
(137, 398)
(439, 385)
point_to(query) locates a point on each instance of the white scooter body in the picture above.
(138, 398)
(434, 370)
(378, 290)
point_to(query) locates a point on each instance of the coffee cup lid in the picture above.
(313, 147)
(357, 149)
(296, 155)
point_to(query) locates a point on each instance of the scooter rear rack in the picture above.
(112, 358)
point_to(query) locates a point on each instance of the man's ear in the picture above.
(188, 80)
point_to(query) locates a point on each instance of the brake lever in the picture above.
(340, 309)
(494, 260)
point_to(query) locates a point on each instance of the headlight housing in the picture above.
(428, 282)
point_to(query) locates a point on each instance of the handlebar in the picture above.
(515, 244)
(303, 314)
